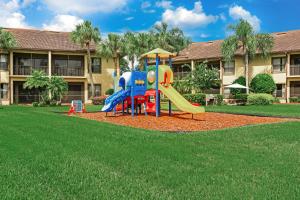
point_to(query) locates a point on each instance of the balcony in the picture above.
(68, 71)
(295, 70)
(181, 75)
(3, 66)
(27, 70)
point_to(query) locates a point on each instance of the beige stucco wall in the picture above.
(4, 76)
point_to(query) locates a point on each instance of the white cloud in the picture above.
(203, 35)
(84, 6)
(27, 2)
(164, 4)
(223, 17)
(146, 7)
(129, 18)
(238, 12)
(63, 23)
(11, 16)
(188, 19)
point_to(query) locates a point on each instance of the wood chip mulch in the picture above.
(182, 122)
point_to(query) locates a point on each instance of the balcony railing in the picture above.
(27, 70)
(295, 70)
(68, 71)
(181, 75)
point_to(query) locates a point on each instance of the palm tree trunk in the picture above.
(247, 71)
(117, 66)
(90, 71)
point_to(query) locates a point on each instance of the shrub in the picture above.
(242, 81)
(109, 91)
(294, 99)
(260, 99)
(42, 104)
(98, 100)
(196, 98)
(242, 97)
(220, 99)
(35, 104)
(53, 103)
(263, 83)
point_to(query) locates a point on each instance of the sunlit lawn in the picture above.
(46, 155)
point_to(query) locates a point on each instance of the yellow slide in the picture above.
(180, 102)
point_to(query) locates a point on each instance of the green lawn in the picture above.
(45, 155)
(284, 110)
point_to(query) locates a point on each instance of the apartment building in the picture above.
(283, 64)
(55, 54)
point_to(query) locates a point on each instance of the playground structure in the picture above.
(143, 89)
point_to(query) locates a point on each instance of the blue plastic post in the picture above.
(146, 69)
(156, 87)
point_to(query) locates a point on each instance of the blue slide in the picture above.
(115, 99)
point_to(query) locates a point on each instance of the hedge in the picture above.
(260, 99)
(263, 83)
(196, 98)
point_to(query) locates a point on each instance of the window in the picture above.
(3, 91)
(67, 65)
(96, 65)
(3, 62)
(229, 68)
(280, 90)
(25, 63)
(295, 88)
(278, 65)
(97, 90)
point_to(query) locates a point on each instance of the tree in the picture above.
(169, 39)
(38, 80)
(124, 66)
(203, 77)
(7, 42)
(248, 42)
(240, 80)
(111, 48)
(57, 87)
(85, 34)
(130, 47)
(263, 83)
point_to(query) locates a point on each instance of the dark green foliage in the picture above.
(35, 104)
(109, 91)
(220, 99)
(294, 99)
(260, 99)
(263, 83)
(242, 97)
(182, 86)
(196, 98)
(242, 81)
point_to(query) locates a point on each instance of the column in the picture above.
(49, 63)
(288, 64)
(193, 68)
(11, 83)
(288, 71)
(288, 91)
(221, 77)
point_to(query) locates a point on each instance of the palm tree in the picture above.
(111, 48)
(7, 42)
(248, 42)
(85, 34)
(57, 86)
(162, 36)
(130, 46)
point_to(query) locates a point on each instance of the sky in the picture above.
(201, 20)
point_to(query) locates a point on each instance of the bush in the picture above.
(35, 104)
(294, 99)
(196, 98)
(260, 99)
(98, 100)
(109, 91)
(242, 81)
(263, 83)
(220, 99)
(53, 103)
(42, 104)
(242, 97)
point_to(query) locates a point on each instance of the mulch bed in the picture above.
(182, 122)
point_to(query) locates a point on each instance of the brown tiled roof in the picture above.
(283, 42)
(29, 39)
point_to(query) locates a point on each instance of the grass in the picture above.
(282, 110)
(45, 155)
